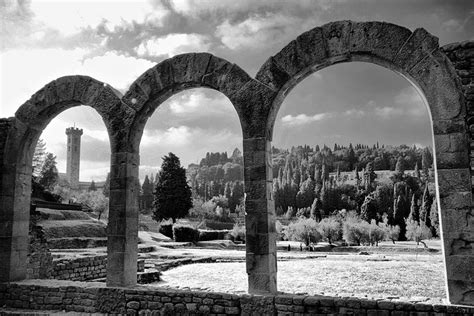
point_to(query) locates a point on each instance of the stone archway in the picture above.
(417, 56)
(19, 136)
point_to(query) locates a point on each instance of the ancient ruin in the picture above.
(443, 75)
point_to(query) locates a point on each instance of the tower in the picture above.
(73, 155)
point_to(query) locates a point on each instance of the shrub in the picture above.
(212, 234)
(376, 233)
(417, 232)
(305, 230)
(330, 229)
(216, 225)
(238, 232)
(355, 231)
(303, 212)
(166, 228)
(185, 233)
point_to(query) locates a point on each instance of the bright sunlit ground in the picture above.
(407, 277)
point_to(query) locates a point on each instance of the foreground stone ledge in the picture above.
(95, 297)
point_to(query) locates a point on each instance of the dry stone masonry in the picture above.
(445, 83)
(96, 298)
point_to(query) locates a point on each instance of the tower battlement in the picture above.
(74, 131)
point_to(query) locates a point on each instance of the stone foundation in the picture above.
(95, 297)
(85, 268)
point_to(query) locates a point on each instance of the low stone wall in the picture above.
(84, 268)
(76, 243)
(94, 297)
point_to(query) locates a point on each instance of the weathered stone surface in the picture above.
(256, 101)
(453, 142)
(418, 46)
(438, 80)
(454, 180)
(271, 75)
(383, 40)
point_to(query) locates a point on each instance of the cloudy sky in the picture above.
(115, 41)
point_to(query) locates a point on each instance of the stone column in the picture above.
(259, 216)
(122, 229)
(15, 198)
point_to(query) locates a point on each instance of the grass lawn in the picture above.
(406, 277)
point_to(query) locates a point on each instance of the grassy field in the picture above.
(406, 277)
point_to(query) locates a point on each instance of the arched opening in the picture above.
(201, 128)
(352, 148)
(70, 193)
(22, 134)
(417, 57)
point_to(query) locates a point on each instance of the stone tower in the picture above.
(73, 156)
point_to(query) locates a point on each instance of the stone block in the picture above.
(456, 221)
(262, 283)
(449, 126)
(311, 48)
(418, 46)
(164, 71)
(261, 263)
(455, 160)
(260, 243)
(432, 73)
(337, 37)
(271, 75)
(456, 200)
(233, 82)
(65, 88)
(453, 142)
(460, 267)
(257, 190)
(460, 292)
(217, 70)
(381, 39)
(189, 68)
(454, 180)
(136, 97)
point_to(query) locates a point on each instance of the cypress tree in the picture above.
(172, 192)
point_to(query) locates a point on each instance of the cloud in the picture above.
(186, 142)
(197, 103)
(303, 119)
(173, 44)
(70, 17)
(25, 71)
(116, 69)
(257, 29)
(355, 113)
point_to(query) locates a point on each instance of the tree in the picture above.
(417, 231)
(330, 229)
(48, 176)
(172, 192)
(305, 230)
(146, 194)
(106, 189)
(92, 186)
(38, 157)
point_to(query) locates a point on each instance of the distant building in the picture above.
(73, 156)
(74, 160)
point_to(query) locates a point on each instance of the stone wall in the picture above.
(462, 58)
(96, 298)
(85, 268)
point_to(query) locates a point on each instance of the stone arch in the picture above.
(19, 136)
(416, 56)
(181, 72)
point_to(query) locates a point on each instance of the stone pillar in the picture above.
(259, 217)
(456, 185)
(122, 229)
(15, 197)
